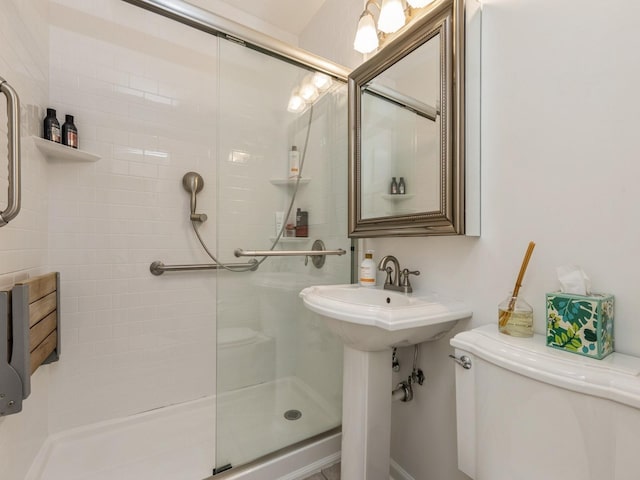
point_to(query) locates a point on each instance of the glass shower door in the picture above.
(279, 370)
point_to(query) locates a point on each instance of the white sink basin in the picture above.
(373, 319)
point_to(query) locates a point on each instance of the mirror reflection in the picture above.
(400, 136)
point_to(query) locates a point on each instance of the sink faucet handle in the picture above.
(388, 280)
(404, 277)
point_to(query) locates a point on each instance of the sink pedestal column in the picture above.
(366, 415)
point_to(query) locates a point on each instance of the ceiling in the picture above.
(289, 15)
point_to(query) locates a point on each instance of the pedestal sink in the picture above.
(370, 322)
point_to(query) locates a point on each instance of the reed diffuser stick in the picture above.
(506, 315)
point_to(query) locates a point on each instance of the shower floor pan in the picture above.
(178, 442)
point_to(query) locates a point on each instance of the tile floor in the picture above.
(331, 473)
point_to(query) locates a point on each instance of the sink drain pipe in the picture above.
(404, 389)
(402, 392)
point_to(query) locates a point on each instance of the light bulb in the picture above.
(366, 40)
(391, 16)
(296, 103)
(308, 91)
(419, 3)
(321, 81)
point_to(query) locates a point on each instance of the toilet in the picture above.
(528, 412)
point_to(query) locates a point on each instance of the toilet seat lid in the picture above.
(616, 377)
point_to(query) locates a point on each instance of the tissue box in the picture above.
(580, 323)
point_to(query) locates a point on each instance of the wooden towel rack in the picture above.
(29, 336)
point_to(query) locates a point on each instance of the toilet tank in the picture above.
(528, 412)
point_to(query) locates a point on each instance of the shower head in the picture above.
(193, 183)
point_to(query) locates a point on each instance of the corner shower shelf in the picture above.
(290, 239)
(398, 197)
(289, 181)
(56, 151)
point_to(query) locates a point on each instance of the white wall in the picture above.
(331, 32)
(559, 140)
(228, 11)
(23, 243)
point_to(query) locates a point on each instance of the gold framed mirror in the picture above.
(406, 120)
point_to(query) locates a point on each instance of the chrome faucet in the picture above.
(400, 280)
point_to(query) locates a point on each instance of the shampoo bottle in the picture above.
(51, 126)
(69, 132)
(294, 162)
(302, 223)
(393, 188)
(279, 219)
(402, 187)
(368, 270)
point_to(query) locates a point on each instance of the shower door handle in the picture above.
(13, 147)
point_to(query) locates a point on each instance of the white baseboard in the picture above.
(315, 467)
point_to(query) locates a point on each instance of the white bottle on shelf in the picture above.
(294, 162)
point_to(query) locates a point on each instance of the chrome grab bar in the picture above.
(158, 268)
(317, 254)
(13, 147)
(286, 253)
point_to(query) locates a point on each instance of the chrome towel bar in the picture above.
(158, 268)
(317, 254)
(13, 148)
(239, 252)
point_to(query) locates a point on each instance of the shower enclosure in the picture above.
(186, 373)
(278, 370)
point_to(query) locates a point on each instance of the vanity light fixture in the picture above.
(394, 14)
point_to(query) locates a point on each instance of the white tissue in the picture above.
(573, 280)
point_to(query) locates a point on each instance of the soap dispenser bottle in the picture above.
(368, 270)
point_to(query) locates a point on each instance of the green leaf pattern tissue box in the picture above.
(580, 324)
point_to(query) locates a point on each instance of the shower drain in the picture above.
(292, 414)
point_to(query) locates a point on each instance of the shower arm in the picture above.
(193, 203)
